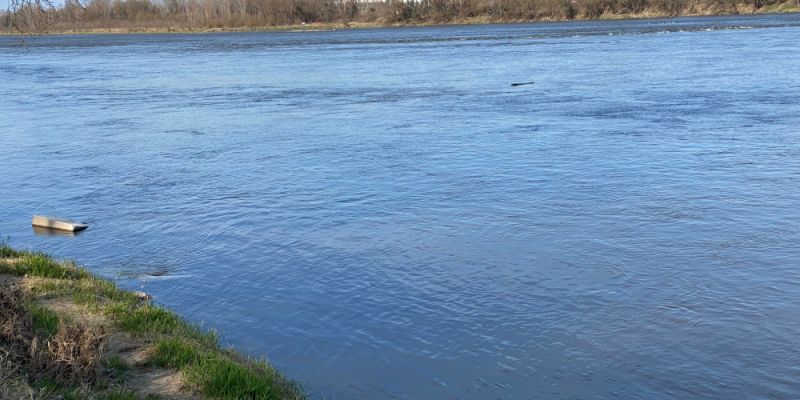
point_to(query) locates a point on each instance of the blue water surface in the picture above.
(382, 215)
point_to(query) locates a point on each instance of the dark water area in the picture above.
(383, 215)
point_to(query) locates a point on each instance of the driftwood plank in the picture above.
(57, 223)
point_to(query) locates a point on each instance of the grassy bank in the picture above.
(65, 333)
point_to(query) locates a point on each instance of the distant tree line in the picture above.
(161, 14)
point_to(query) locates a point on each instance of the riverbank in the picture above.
(160, 27)
(65, 333)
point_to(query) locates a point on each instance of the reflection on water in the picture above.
(42, 231)
(384, 216)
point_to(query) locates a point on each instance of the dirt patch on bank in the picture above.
(53, 339)
(65, 333)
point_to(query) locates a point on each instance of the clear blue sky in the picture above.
(4, 4)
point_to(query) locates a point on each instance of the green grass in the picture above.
(178, 344)
(7, 267)
(49, 390)
(116, 366)
(145, 319)
(47, 385)
(95, 293)
(45, 322)
(7, 251)
(120, 394)
(89, 291)
(176, 353)
(218, 376)
(126, 310)
(148, 319)
(38, 264)
(42, 265)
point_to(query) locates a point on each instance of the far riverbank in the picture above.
(80, 27)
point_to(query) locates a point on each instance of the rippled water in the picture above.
(382, 215)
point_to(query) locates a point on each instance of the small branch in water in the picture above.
(523, 83)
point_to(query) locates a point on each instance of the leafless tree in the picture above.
(30, 15)
(40, 15)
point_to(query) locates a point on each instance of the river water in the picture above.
(382, 215)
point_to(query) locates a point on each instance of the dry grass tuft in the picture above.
(71, 356)
(12, 386)
(16, 325)
(55, 320)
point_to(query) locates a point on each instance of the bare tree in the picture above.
(30, 15)
(35, 16)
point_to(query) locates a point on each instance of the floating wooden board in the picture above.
(57, 223)
(40, 231)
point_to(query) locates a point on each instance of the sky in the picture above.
(4, 4)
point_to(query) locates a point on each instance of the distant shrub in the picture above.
(670, 7)
(593, 8)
